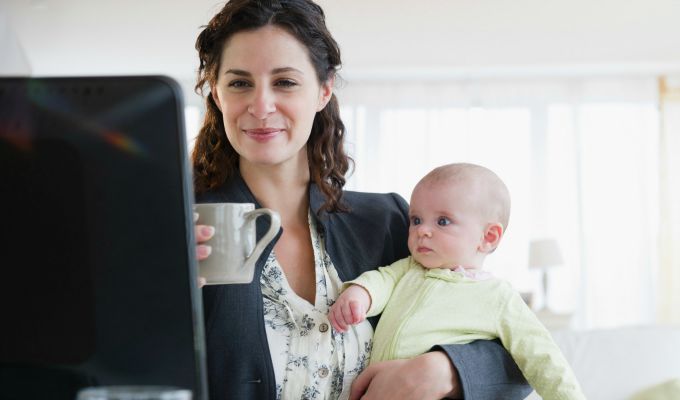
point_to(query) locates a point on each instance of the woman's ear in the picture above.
(325, 93)
(492, 237)
(215, 97)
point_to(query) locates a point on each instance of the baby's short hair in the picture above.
(494, 195)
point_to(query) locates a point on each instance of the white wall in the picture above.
(379, 38)
(495, 35)
(14, 60)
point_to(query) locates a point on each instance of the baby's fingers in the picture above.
(346, 314)
(335, 317)
(357, 312)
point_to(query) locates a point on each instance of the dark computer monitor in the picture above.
(97, 266)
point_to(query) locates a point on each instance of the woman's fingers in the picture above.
(203, 232)
(203, 251)
(201, 282)
(428, 376)
(361, 383)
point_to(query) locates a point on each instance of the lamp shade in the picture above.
(544, 253)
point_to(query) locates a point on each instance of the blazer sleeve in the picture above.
(486, 371)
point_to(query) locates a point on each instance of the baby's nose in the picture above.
(424, 230)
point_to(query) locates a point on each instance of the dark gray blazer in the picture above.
(373, 233)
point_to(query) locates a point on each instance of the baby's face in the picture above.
(446, 228)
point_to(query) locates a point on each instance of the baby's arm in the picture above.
(537, 355)
(367, 293)
(350, 308)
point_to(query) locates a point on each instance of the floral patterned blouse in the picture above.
(311, 360)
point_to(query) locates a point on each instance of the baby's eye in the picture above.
(286, 83)
(239, 84)
(415, 221)
(443, 221)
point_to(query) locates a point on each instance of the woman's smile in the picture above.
(263, 134)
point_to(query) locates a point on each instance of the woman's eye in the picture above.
(239, 84)
(286, 83)
(443, 221)
(415, 221)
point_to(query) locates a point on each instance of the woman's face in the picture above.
(269, 93)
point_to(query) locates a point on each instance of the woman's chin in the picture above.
(270, 159)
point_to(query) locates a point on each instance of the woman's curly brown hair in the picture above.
(214, 159)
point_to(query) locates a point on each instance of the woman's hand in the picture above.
(202, 234)
(428, 376)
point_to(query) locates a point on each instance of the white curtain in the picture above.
(580, 157)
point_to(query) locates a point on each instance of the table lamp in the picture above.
(544, 254)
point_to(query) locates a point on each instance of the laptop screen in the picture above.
(97, 264)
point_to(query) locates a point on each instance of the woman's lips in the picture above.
(262, 134)
(423, 249)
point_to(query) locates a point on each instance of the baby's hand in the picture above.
(350, 308)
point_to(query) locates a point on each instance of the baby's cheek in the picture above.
(412, 242)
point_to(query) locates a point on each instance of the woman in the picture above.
(273, 136)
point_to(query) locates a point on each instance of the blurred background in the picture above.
(575, 104)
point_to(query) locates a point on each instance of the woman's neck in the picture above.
(282, 188)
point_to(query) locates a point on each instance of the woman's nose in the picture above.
(262, 103)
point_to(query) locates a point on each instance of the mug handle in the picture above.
(266, 239)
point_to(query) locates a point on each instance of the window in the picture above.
(581, 160)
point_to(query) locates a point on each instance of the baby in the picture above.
(441, 294)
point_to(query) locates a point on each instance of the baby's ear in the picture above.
(492, 236)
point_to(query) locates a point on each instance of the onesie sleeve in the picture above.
(537, 355)
(380, 283)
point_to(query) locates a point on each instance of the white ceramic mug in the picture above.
(234, 250)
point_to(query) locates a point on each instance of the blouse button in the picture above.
(323, 327)
(323, 372)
